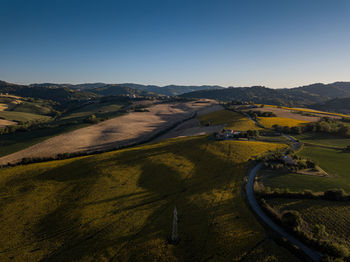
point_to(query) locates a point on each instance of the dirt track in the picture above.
(125, 130)
(193, 127)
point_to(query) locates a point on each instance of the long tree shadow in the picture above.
(182, 174)
(197, 218)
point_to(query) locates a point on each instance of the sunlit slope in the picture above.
(233, 120)
(308, 110)
(281, 121)
(118, 206)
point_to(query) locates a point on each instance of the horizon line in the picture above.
(162, 86)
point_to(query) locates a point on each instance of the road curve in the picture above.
(314, 255)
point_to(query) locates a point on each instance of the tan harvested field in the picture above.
(193, 127)
(3, 107)
(4, 123)
(10, 96)
(280, 112)
(129, 129)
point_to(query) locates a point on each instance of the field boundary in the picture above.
(312, 254)
(87, 153)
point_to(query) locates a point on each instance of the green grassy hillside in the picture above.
(117, 206)
(334, 161)
(22, 116)
(323, 139)
(233, 120)
(107, 109)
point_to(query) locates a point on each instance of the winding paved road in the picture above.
(314, 255)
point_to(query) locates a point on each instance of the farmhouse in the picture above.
(288, 160)
(228, 134)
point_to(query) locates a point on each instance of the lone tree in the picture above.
(174, 235)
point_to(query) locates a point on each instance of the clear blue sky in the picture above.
(282, 43)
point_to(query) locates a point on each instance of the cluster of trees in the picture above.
(288, 130)
(238, 102)
(254, 114)
(303, 113)
(314, 235)
(140, 108)
(251, 133)
(92, 119)
(21, 127)
(330, 195)
(345, 119)
(275, 161)
(324, 125)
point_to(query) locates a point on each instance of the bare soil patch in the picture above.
(134, 127)
(4, 123)
(3, 107)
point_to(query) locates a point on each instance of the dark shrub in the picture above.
(91, 119)
(334, 194)
(310, 163)
(292, 220)
(296, 130)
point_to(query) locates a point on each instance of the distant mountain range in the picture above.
(300, 96)
(70, 91)
(59, 93)
(314, 95)
(169, 90)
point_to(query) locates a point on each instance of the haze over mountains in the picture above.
(314, 95)
(299, 96)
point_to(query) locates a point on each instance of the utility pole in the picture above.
(174, 235)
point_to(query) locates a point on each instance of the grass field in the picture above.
(334, 161)
(233, 120)
(117, 206)
(324, 139)
(20, 104)
(22, 116)
(100, 110)
(335, 216)
(282, 121)
(33, 108)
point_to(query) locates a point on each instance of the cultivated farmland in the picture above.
(128, 129)
(118, 205)
(269, 122)
(328, 151)
(335, 216)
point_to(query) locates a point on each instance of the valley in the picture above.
(98, 178)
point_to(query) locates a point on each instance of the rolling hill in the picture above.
(169, 90)
(300, 96)
(258, 94)
(53, 92)
(112, 90)
(115, 207)
(314, 94)
(341, 105)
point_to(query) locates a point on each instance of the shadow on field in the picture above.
(188, 193)
(136, 225)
